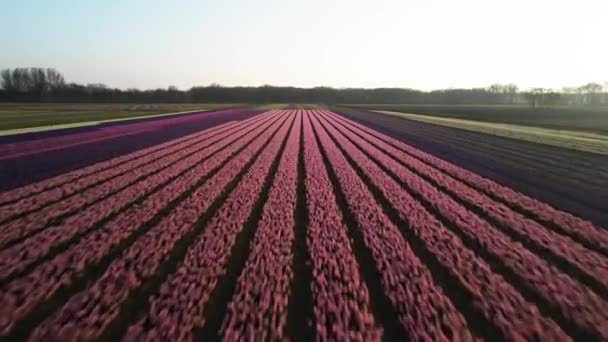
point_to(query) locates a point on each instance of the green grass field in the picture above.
(572, 139)
(592, 119)
(26, 115)
(271, 106)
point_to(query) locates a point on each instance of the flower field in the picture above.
(293, 225)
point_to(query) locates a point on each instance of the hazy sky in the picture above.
(342, 43)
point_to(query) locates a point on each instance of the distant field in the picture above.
(23, 115)
(576, 140)
(272, 106)
(589, 119)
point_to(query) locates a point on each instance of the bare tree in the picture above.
(54, 79)
(536, 97)
(21, 80)
(7, 80)
(38, 81)
(592, 91)
(496, 88)
(511, 90)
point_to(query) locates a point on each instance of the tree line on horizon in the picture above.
(49, 85)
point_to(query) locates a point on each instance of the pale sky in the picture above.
(424, 44)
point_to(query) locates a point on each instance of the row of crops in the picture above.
(293, 224)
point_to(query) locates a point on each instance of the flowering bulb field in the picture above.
(293, 225)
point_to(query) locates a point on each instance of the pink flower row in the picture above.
(21, 295)
(258, 309)
(497, 300)
(67, 178)
(576, 301)
(37, 220)
(99, 304)
(66, 189)
(178, 308)
(14, 150)
(341, 303)
(588, 261)
(19, 256)
(23, 148)
(422, 307)
(569, 223)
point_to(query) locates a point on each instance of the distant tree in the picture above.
(511, 90)
(7, 80)
(39, 83)
(54, 79)
(496, 88)
(552, 98)
(592, 91)
(22, 80)
(593, 87)
(92, 88)
(503, 93)
(536, 97)
(31, 83)
(530, 98)
(570, 95)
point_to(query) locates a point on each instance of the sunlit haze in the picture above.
(415, 43)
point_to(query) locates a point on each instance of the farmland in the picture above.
(291, 224)
(37, 155)
(572, 180)
(26, 115)
(575, 140)
(592, 119)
